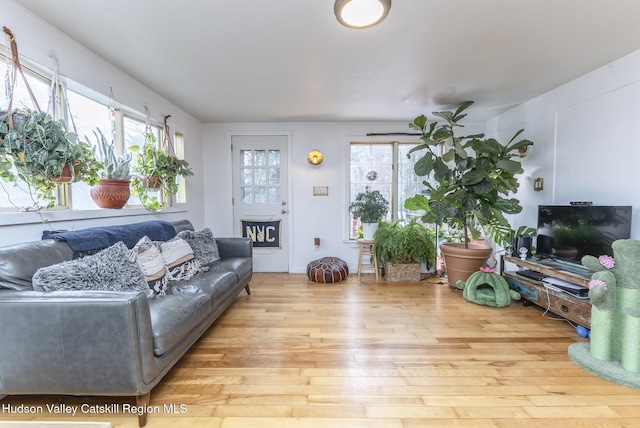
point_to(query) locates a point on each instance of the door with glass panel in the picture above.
(260, 199)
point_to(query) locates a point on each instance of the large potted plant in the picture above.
(42, 153)
(113, 190)
(370, 207)
(402, 247)
(469, 187)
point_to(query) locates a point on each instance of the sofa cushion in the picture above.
(179, 259)
(204, 245)
(174, 316)
(18, 263)
(152, 264)
(240, 266)
(215, 284)
(110, 269)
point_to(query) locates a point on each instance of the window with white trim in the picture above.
(83, 115)
(383, 166)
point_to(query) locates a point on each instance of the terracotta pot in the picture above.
(65, 177)
(111, 193)
(461, 262)
(152, 182)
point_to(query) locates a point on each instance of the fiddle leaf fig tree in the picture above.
(471, 182)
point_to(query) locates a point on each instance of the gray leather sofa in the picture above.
(105, 343)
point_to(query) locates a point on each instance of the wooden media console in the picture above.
(565, 305)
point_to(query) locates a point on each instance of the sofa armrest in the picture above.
(75, 342)
(234, 247)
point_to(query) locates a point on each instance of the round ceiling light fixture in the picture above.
(361, 13)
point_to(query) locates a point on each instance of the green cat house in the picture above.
(614, 291)
(485, 287)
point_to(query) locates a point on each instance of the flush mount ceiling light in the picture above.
(361, 13)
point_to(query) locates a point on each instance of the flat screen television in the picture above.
(568, 232)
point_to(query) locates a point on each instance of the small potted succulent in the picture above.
(370, 207)
(113, 190)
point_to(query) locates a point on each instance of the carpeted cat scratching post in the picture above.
(614, 291)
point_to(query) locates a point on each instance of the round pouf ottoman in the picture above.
(328, 269)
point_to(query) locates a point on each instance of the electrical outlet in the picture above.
(320, 190)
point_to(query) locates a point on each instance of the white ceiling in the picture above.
(290, 60)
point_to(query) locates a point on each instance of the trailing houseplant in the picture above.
(113, 190)
(370, 207)
(157, 170)
(471, 181)
(43, 153)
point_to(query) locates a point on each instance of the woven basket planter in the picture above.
(403, 272)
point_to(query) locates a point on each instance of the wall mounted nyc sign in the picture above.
(263, 233)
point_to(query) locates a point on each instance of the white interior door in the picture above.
(260, 198)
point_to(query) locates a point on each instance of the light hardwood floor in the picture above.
(364, 354)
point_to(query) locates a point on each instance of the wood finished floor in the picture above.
(364, 354)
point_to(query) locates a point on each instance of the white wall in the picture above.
(587, 141)
(36, 40)
(586, 137)
(311, 216)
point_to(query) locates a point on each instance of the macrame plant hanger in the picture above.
(167, 145)
(10, 85)
(58, 99)
(15, 68)
(168, 148)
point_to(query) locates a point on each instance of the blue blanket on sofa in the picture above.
(89, 240)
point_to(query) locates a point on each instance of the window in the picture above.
(86, 115)
(178, 142)
(260, 176)
(384, 167)
(15, 195)
(83, 115)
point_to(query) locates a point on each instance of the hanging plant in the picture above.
(38, 150)
(157, 170)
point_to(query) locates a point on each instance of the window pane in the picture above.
(246, 158)
(15, 196)
(408, 182)
(260, 157)
(371, 166)
(247, 195)
(87, 116)
(274, 195)
(384, 167)
(260, 176)
(246, 176)
(274, 176)
(274, 157)
(260, 195)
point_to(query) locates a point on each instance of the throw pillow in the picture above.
(111, 269)
(179, 259)
(148, 256)
(204, 245)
